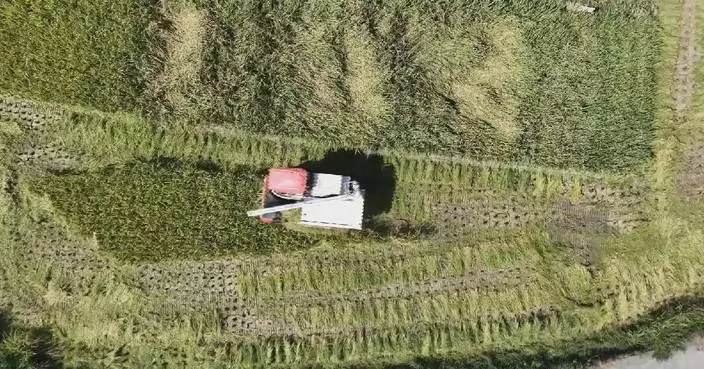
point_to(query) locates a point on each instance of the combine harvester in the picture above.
(325, 200)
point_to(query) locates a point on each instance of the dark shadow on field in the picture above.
(406, 228)
(171, 163)
(38, 353)
(377, 178)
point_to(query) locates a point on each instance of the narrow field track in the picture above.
(689, 55)
(489, 280)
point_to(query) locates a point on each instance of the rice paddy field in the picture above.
(534, 182)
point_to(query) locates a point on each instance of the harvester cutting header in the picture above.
(325, 200)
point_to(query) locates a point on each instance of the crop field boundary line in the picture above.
(431, 157)
(387, 153)
(679, 73)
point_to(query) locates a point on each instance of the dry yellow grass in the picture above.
(179, 80)
(365, 81)
(487, 92)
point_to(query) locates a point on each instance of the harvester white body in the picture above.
(325, 200)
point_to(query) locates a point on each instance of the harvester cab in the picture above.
(325, 200)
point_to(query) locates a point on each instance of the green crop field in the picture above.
(533, 175)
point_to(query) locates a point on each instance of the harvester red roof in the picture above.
(287, 180)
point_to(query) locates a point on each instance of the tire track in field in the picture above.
(689, 54)
(232, 147)
(495, 280)
(690, 179)
(534, 315)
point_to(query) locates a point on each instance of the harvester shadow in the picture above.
(377, 178)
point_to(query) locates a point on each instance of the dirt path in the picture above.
(689, 53)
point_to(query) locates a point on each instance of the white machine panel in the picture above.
(326, 185)
(342, 213)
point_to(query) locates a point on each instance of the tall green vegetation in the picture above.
(590, 101)
(500, 80)
(168, 209)
(84, 52)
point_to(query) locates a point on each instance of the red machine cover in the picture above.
(287, 180)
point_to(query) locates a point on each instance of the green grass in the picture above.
(25, 347)
(83, 52)
(590, 102)
(166, 209)
(497, 80)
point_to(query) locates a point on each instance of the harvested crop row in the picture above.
(184, 298)
(394, 251)
(226, 312)
(584, 229)
(689, 54)
(52, 242)
(206, 278)
(513, 321)
(75, 268)
(460, 219)
(425, 202)
(200, 287)
(690, 179)
(449, 306)
(454, 220)
(629, 194)
(584, 191)
(51, 156)
(32, 117)
(337, 275)
(598, 219)
(488, 280)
